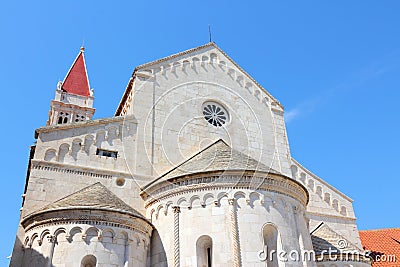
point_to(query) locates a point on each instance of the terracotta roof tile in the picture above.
(383, 242)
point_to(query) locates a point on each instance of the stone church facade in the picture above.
(194, 169)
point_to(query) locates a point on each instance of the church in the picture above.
(194, 169)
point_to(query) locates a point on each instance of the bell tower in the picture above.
(73, 101)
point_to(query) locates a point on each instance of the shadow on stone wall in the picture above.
(158, 256)
(27, 257)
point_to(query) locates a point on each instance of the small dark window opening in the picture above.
(60, 120)
(65, 120)
(107, 153)
(208, 257)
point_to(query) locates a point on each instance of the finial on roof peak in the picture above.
(82, 49)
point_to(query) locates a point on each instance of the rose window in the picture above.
(215, 114)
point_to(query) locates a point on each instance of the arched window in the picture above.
(89, 261)
(271, 246)
(204, 251)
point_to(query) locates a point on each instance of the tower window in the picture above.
(63, 118)
(79, 118)
(107, 153)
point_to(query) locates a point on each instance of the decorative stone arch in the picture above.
(91, 232)
(34, 237)
(76, 147)
(335, 204)
(213, 58)
(208, 198)
(327, 198)
(303, 177)
(89, 141)
(43, 234)
(136, 240)
(62, 152)
(152, 213)
(50, 155)
(255, 196)
(185, 64)
(59, 231)
(26, 243)
(111, 134)
(311, 185)
(220, 196)
(318, 191)
(73, 231)
(294, 171)
(343, 210)
(193, 199)
(100, 138)
(182, 202)
(122, 237)
(159, 207)
(108, 235)
(238, 195)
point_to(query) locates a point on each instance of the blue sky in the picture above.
(334, 65)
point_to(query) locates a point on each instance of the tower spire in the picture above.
(76, 81)
(74, 98)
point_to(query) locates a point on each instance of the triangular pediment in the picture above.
(191, 54)
(211, 54)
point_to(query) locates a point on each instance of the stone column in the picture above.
(176, 210)
(234, 233)
(52, 239)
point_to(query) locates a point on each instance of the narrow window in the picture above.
(107, 153)
(204, 251)
(60, 120)
(270, 238)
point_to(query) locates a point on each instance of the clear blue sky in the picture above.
(334, 65)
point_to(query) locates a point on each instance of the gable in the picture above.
(168, 98)
(208, 53)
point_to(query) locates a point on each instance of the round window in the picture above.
(215, 114)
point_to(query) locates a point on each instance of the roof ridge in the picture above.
(381, 229)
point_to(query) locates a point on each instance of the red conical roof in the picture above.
(77, 82)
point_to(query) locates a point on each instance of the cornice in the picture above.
(225, 180)
(331, 216)
(322, 181)
(83, 124)
(79, 170)
(87, 216)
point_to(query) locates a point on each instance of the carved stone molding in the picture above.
(225, 180)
